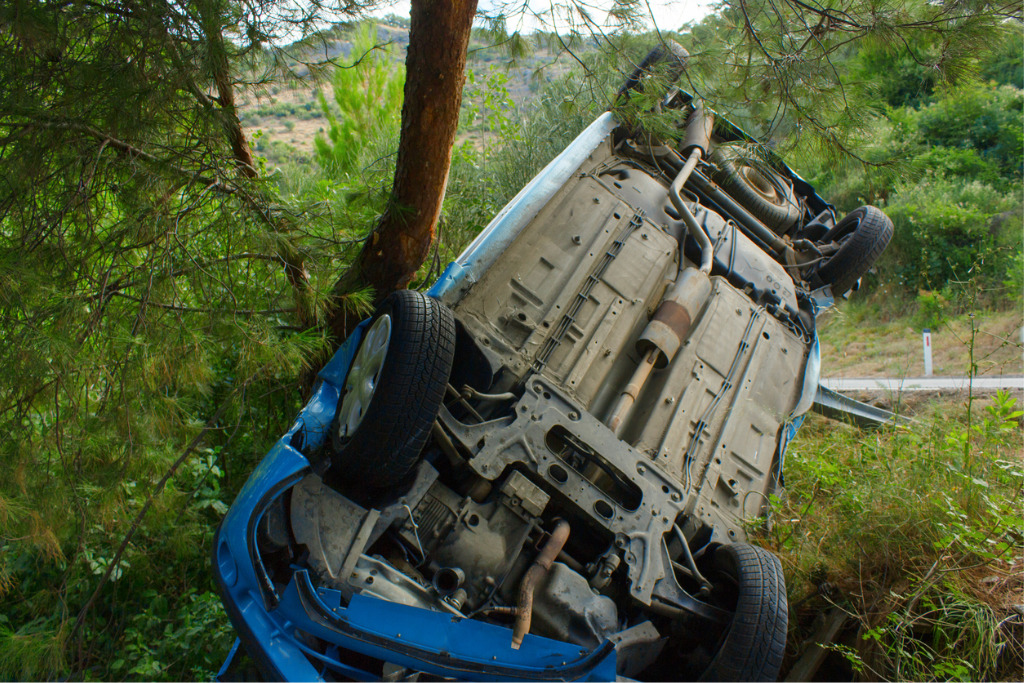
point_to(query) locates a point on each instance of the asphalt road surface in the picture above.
(923, 383)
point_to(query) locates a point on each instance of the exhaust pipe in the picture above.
(534, 575)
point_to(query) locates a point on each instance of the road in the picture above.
(990, 383)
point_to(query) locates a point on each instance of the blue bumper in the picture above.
(279, 627)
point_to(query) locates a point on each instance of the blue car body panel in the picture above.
(271, 624)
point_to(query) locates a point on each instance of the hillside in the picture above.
(290, 113)
(857, 340)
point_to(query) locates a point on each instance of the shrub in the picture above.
(984, 118)
(944, 232)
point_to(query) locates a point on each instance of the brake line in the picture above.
(552, 342)
(702, 424)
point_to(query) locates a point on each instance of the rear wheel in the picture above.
(748, 583)
(393, 390)
(862, 236)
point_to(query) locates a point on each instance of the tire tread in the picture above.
(869, 238)
(398, 419)
(756, 641)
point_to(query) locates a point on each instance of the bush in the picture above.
(983, 118)
(947, 230)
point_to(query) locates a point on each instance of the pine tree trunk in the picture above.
(294, 262)
(435, 73)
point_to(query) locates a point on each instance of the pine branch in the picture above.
(123, 147)
(137, 522)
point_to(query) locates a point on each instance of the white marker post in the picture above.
(927, 352)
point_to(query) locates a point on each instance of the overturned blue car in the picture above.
(545, 467)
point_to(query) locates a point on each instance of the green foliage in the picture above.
(32, 651)
(981, 118)
(1015, 277)
(956, 200)
(894, 76)
(944, 232)
(141, 293)
(932, 308)
(368, 94)
(896, 527)
(280, 110)
(1004, 65)
(159, 638)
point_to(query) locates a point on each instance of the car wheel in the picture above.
(671, 52)
(393, 390)
(764, 193)
(755, 641)
(862, 235)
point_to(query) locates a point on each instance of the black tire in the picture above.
(766, 194)
(406, 396)
(755, 642)
(863, 235)
(670, 51)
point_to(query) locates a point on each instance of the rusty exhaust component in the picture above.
(628, 396)
(682, 303)
(695, 146)
(536, 572)
(660, 340)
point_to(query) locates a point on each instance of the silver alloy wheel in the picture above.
(363, 376)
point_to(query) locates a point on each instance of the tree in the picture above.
(783, 67)
(144, 300)
(435, 73)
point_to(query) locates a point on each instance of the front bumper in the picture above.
(280, 627)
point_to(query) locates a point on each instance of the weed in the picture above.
(893, 526)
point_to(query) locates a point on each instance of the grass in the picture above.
(868, 338)
(916, 533)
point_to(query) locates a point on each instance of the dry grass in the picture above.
(856, 341)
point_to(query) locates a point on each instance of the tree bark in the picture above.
(435, 74)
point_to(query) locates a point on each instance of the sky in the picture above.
(665, 14)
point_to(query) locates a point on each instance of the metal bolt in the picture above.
(576, 239)
(676, 496)
(670, 400)
(640, 468)
(573, 415)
